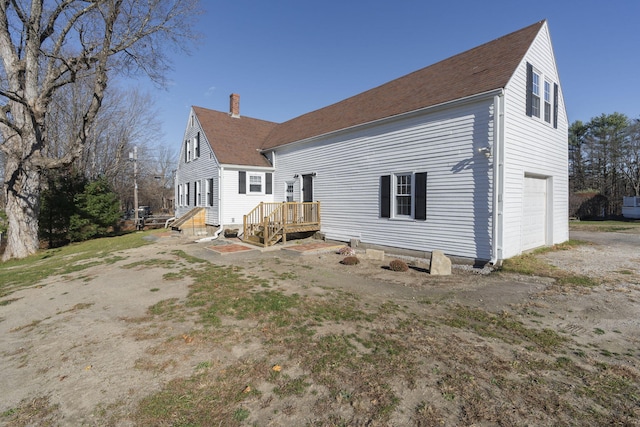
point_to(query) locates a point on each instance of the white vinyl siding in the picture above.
(445, 144)
(533, 148)
(201, 168)
(238, 204)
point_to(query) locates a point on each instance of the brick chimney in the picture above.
(234, 105)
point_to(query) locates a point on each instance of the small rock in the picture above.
(375, 254)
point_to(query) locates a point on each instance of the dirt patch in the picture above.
(87, 348)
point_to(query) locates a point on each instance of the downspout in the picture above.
(498, 180)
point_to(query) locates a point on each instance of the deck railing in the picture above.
(270, 222)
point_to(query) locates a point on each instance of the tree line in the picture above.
(604, 164)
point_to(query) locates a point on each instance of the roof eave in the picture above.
(425, 110)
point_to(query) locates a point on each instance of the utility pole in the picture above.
(134, 158)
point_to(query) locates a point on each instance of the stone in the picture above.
(375, 254)
(440, 264)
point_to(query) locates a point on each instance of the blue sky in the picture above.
(288, 57)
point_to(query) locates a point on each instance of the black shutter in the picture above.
(385, 196)
(210, 191)
(421, 196)
(269, 183)
(555, 105)
(529, 89)
(242, 182)
(186, 151)
(187, 195)
(197, 149)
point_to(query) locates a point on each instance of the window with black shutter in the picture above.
(404, 196)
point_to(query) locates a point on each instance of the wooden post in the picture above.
(265, 232)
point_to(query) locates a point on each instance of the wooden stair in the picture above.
(269, 223)
(193, 222)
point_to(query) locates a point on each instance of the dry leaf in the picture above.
(247, 389)
(187, 339)
(88, 367)
(276, 368)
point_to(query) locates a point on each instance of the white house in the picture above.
(468, 156)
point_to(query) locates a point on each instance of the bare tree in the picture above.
(47, 45)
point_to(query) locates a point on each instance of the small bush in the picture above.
(347, 250)
(350, 260)
(398, 265)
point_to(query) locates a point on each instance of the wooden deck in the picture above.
(270, 223)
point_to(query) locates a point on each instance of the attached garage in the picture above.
(534, 215)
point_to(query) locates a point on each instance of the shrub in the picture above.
(350, 260)
(398, 265)
(347, 250)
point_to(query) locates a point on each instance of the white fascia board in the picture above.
(247, 167)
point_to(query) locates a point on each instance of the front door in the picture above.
(307, 188)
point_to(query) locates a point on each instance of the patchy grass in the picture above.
(531, 264)
(632, 226)
(347, 359)
(27, 272)
(357, 360)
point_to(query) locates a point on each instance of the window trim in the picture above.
(418, 197)
(258, 175)
(397, 185)
(537, 105)
(547, 101)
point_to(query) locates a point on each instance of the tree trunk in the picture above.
(22, 189)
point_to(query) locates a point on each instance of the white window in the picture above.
(196, 146)
(255, 183)
(535, 94)
(188, 151)
(403, 195)
(547, 101)
(198, 195)
(180, 195)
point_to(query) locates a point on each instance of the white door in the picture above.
(534, 213)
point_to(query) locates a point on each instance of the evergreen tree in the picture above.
(58, 206)
(97, 211)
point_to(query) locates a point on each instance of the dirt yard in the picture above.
(107, 345)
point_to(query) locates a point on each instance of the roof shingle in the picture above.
(235, 141)
(478, 70)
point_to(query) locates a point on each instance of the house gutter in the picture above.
(498, 180)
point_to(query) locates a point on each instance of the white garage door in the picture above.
(534, 215)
